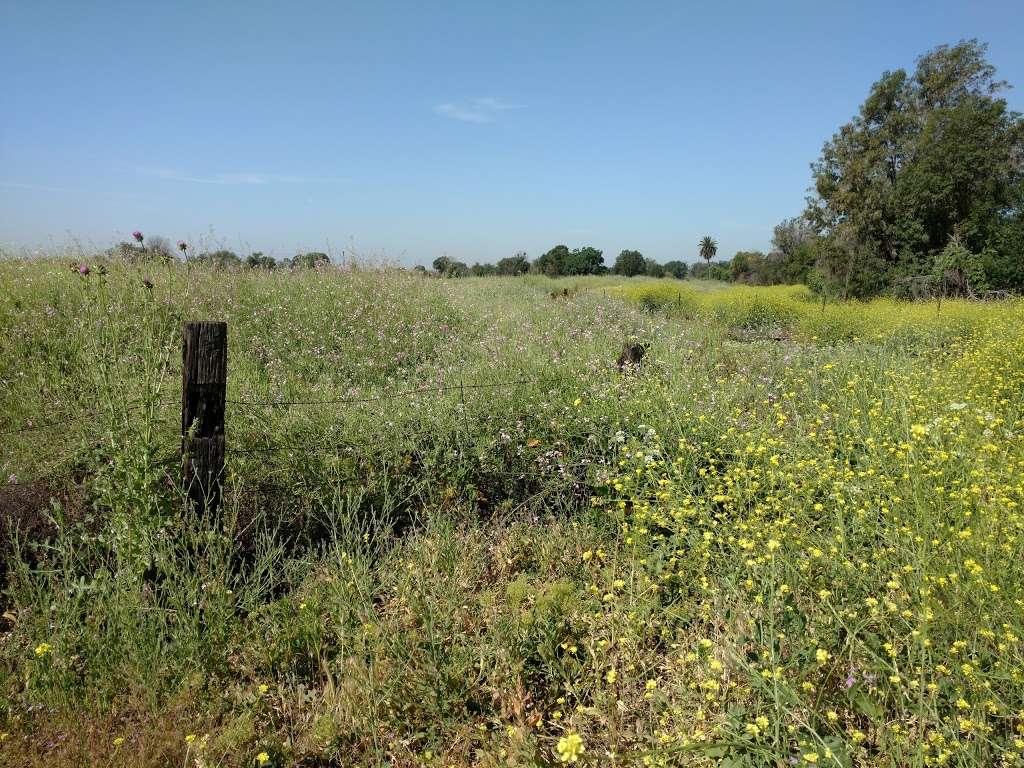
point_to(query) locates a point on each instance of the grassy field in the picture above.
(793, 537)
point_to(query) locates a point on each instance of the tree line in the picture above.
(561, 262)
(159, 249)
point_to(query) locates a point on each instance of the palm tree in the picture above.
(708, 249)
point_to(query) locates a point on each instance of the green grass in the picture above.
(793, 535)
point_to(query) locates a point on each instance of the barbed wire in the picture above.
(457, 433)
(82, 417)
(395, 395)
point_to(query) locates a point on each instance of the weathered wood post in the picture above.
(204, 373)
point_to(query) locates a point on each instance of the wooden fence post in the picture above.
(204, 373)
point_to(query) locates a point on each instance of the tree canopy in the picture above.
(630, 263)
(653, 268)
(222, 258)
(585, 261)
(929, 155)
(677, 269)
(579, 261)
(553, 262)
(708, 248)
(448, 267)
(310, 260)
(518, 264)
(257, 260)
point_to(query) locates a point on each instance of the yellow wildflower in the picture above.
(569, 748)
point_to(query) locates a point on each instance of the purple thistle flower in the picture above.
(138, 236)
(182, 246)
(83, 269)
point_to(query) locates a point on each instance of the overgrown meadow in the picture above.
(455, 534)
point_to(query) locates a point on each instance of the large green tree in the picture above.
(585, 261)
(630, 263)
(749, 267)
(579, 261)
(929, 154)
(553, 262)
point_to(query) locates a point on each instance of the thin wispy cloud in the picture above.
(249, 178)
(482, 110)
(34, 187)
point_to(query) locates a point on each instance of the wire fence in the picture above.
(329, 443)
(395, 395)
(87, 417)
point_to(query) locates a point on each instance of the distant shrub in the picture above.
(653, 268)
(677, 269)
(447, 267)
(220, 259)
(311, 260)
(156, 249)
(514, 265)
(716, 270)
(258, 261)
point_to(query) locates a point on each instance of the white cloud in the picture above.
(482, 110)
(172, 174)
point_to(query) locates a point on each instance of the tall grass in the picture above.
(793, 537)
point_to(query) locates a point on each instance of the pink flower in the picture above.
(83, 269)
(182, 246)
(138, 236)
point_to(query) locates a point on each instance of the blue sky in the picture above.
(409, 130)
